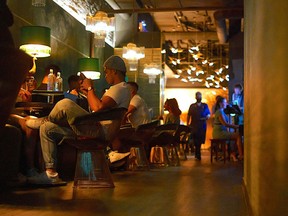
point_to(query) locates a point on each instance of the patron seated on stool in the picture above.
(92, 169)
(222, 145)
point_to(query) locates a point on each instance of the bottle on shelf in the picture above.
(51, 81)
(58, 82)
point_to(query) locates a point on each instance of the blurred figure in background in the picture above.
(173, 117)
(198, 114)
(221, 125)
(14, 66)
(238, 99)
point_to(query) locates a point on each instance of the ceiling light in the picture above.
(152, 70)
(133, 53)
(100, 25)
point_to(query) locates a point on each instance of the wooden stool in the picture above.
(215, 143)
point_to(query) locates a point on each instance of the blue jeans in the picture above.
(60, 125)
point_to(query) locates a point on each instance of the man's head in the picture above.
(198, 97)
(133, 87)
(74, 82)
(238, 89)
(115, 69)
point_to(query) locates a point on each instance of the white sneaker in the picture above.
(115, 156)
(35, 123)
(45, 178)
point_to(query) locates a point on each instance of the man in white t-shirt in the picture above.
(59, 123)
(138, 112)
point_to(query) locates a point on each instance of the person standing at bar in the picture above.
(238, 99)
(198, 114)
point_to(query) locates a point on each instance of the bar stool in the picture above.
(159, 157)
(135, 140)
(138, 159)
(182, 137)
(92, 166)
(220, 145)
(173, 157)
(165, 137)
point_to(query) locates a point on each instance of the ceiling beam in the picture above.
(152, 10)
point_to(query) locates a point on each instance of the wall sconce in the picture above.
(152, 70)
(89, 67)
(133, 53)
(38, 3)
(35, 41)
(100, 25)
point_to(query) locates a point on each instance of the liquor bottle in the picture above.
(59, 82)
(51, 81)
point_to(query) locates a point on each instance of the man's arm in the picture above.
(94, 102)
(189, 117)
(131, 109)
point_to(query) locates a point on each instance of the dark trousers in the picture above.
(197, 143)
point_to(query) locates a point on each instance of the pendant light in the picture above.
(89, 67)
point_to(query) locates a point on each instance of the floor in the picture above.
(194, 188)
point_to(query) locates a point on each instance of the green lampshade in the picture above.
(89, 67)
(35, 40)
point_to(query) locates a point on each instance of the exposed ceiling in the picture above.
(185, 25)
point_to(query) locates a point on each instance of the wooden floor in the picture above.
(193, 189)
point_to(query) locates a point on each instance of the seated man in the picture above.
(74, 93)
(138, 112)
(59, 122)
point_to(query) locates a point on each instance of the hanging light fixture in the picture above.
(133, 53)
(152, 70)
(38, 3)
(35, 41)
(100, 25)
(89, 67)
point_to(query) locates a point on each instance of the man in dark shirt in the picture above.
(198, 113)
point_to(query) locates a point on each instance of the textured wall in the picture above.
(266, 105)
(69, 39)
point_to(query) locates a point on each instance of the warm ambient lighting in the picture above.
(89, 67)
(100, 25)
(38, 3)
(133, 53)
(152, 70)
(35, 40)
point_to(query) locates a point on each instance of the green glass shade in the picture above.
(35, 40)
(89, 67)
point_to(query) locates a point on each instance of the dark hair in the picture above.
(220, 99)
(172, 106)
(134, 85)
(73, 78)
(238, 85)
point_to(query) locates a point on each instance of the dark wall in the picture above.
(69, 39)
